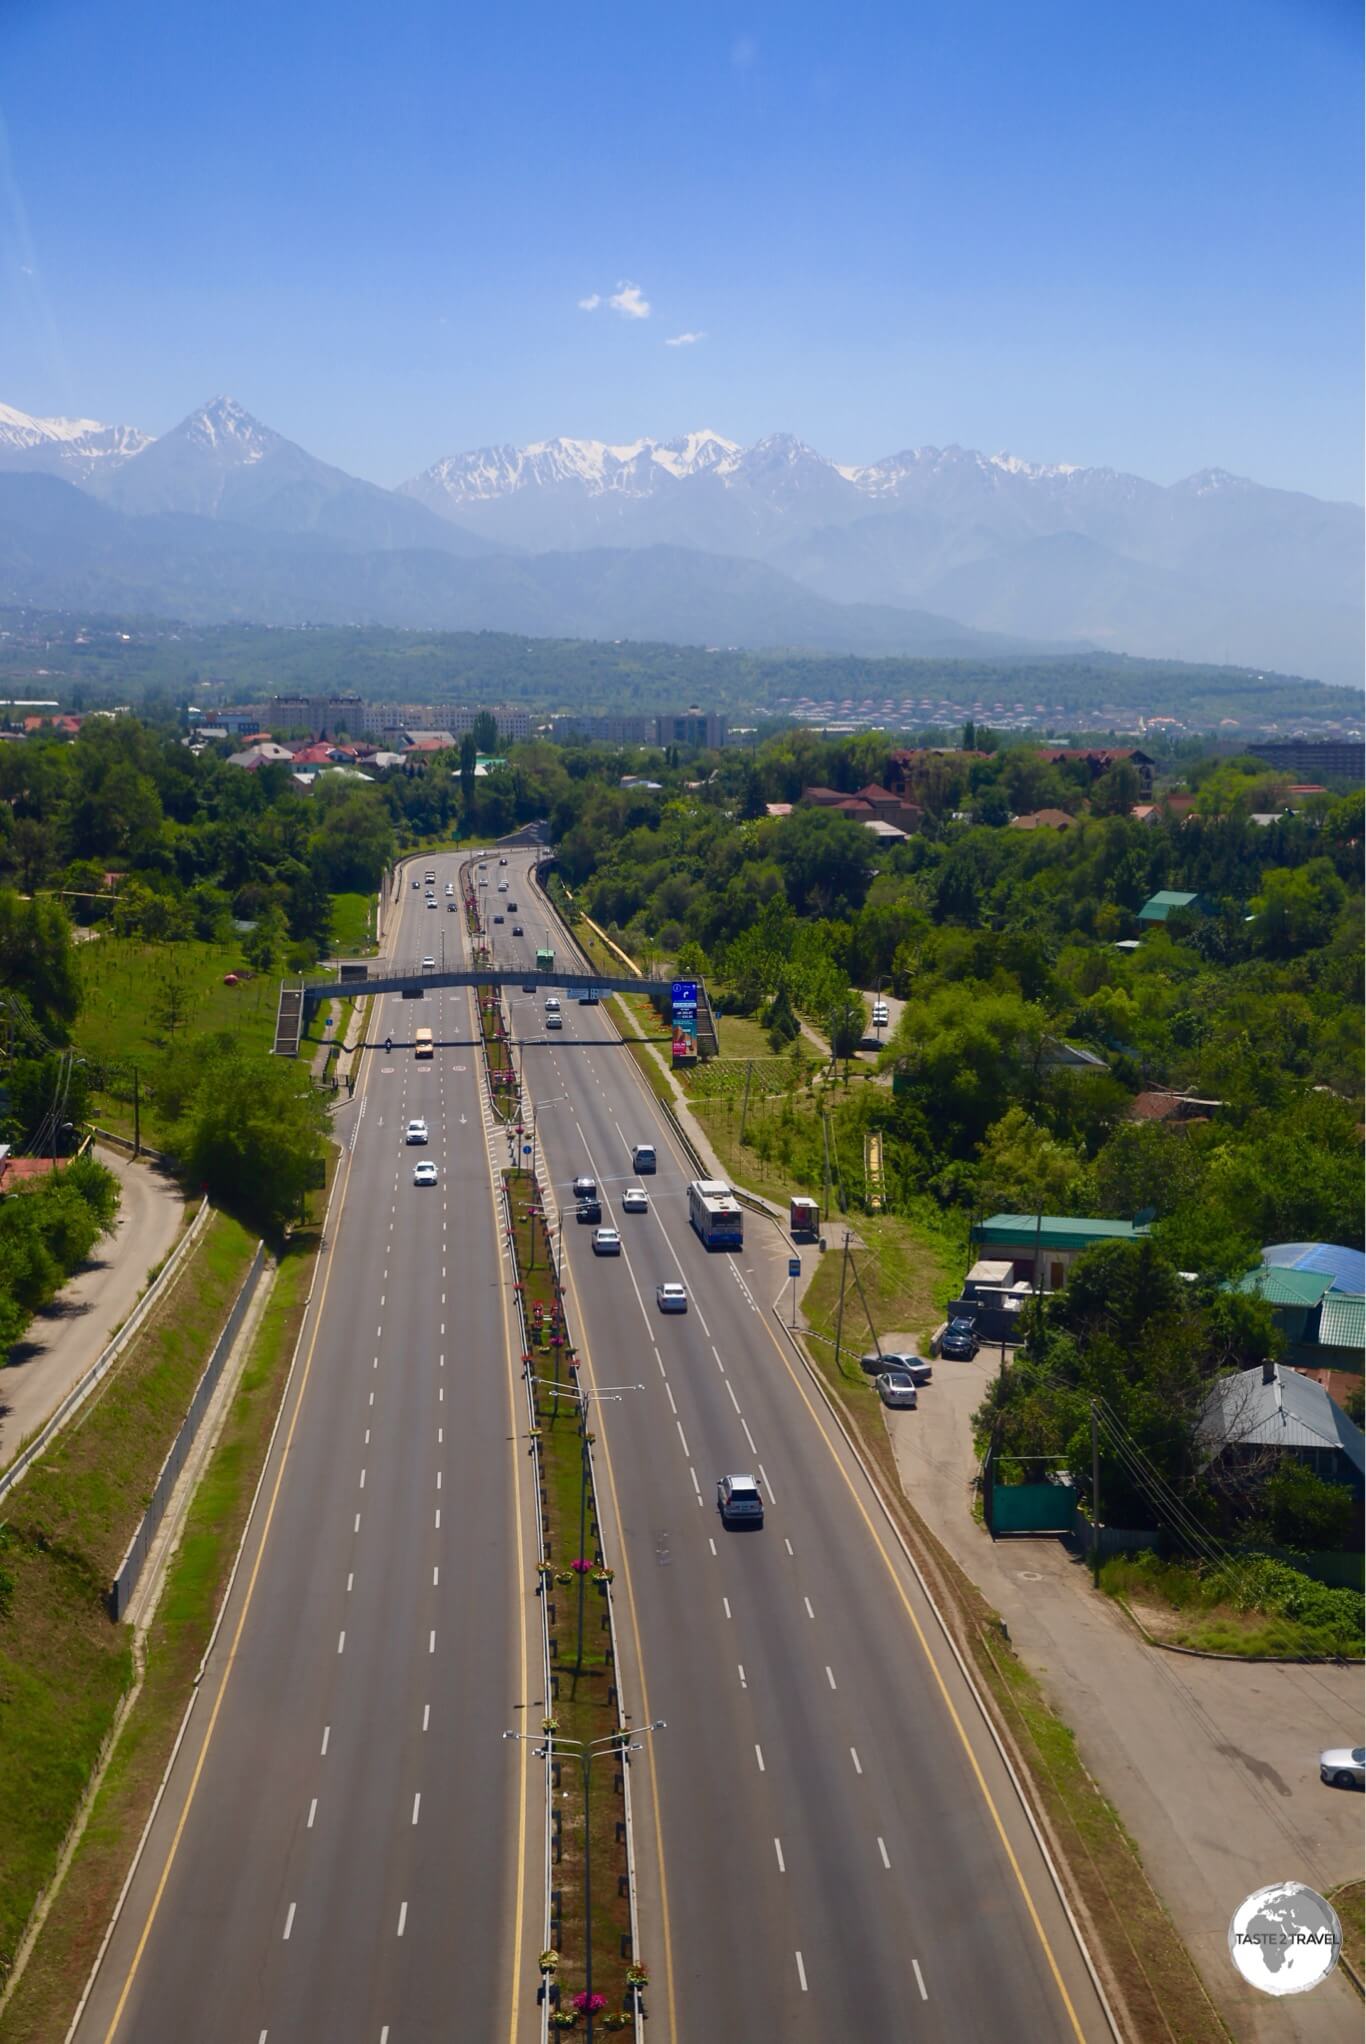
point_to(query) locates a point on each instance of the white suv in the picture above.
(417, 1132)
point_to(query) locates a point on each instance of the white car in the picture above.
(635, 1200)
(416, 1132)
(552, 1004)
(424, 1174)
(555, 1021)
(671, 1298)
(450, 887)
(1343, 1766)
(739, 1501)
(894, 1387)
(429, 965)
(606, 1242)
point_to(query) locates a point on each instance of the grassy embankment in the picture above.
(42, 2003)
(1249, 1608)
(63, 1665)
(353, 925)
(575, 1588)
(1350, 1903)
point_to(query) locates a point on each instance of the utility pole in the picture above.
(137, 1121)
(839, 1311)
(1095, 1498)
(866, 1314)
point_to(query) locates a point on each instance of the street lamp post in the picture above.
(554, 1747)
(612, 1393)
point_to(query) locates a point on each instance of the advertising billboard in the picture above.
(683, 1004)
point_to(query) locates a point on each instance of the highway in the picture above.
(829, 1845)
(344, 1841)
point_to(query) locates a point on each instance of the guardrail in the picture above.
(108, 1356)
(130, 1568)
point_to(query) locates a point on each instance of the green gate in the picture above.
(1030, 1508)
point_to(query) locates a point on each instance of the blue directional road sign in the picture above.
(794, 1266)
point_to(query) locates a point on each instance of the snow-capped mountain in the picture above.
(73, 448)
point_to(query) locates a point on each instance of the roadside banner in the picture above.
(683, 1005)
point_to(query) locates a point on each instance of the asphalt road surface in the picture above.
(336, 1857)
(829, 1846)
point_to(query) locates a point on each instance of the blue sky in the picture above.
(1072, 230)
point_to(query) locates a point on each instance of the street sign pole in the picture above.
(794, 1271)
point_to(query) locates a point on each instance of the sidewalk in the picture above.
(69, 1335)
(1212, 1765)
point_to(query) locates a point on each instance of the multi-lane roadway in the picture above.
(828, 1845)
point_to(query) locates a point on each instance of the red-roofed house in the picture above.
(1098, 759)
(18, 1172)
(1043, 819)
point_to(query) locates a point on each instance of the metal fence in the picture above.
(130, 1568)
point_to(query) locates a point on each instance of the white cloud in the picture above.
(591, 303)
(684, 340)
(628, 301)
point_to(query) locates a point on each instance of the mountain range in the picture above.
(697, 539)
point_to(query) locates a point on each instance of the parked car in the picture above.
(915, 1367)
(671, 1297)
(416, 1132)
(1343, 1766)
(739, 1502)
(424, 1174)
(959, 1343)
(606, 1242)
(635, 1200)
(894, 1387)
(893, 1359)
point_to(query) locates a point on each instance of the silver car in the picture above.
(1343, 1766)
(894, 1387)
(606, 1242)
(635, 1200)
(671, 1298)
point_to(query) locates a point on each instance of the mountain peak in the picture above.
(230, 430)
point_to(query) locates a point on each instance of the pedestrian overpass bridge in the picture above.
(299, 998)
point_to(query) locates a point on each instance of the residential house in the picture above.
(1046, 1245)
(1098, 759)
(1043, 819)
(266, 753)
(17, 1173)
(1176, 1109)
(1270, 1411)
(1167, 902)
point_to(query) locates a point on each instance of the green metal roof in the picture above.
(1054, 1231)
(1285, 1287)
(1342, 1320)
(1159, 906)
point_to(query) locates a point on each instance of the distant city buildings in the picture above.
(1316, 759)
(704, 729)
(326, 716)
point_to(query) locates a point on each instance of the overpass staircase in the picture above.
(289, 1019)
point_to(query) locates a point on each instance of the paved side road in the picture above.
(1212, 1765)
(68, 1337)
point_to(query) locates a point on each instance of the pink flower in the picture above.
(589, 2004)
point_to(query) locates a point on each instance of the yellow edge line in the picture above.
(672, 2030)
(147, 1928)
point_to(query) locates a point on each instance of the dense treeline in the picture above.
(150, 664)
(46, 1233)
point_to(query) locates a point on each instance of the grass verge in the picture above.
(63, 1665)
(1249, 1607)
(1349, 1900)
(575, 1585)
(353, 924)
(42, 2003)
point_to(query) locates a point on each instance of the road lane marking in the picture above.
(733, 1399)
(366, 1441)
(362, 1479)
(402, 1917)
(669, 1395)
(695, 1484)
(426, 1715)
(327, 1734)
(920, 1980)
(341, 1642)
(853, 1755)
(881, 1846)
(356, 1527)
(788, 1545)
(681, 1435)
(778, 1848)
(801, 1972)
(289, 1920)
(809, 1612)
(431, 1642)
(759, 1756)
(711, 1544)
(748, 1435)
(312, 1812)
(417, 1804)
(763, 1478)
(829, 1675)
(349, 1581)
(438, 1479)
(725, 1604)
(438, 1518)
(435, 1573)
(741, 1666)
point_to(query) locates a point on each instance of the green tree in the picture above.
(1117, 790)
(1301, 1510)
(252, 1130)
(485, 732)
(845, 1024)
(265, 944)
(1022, 1169)
(780, 1020)
(37, 959)
(468, 785)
